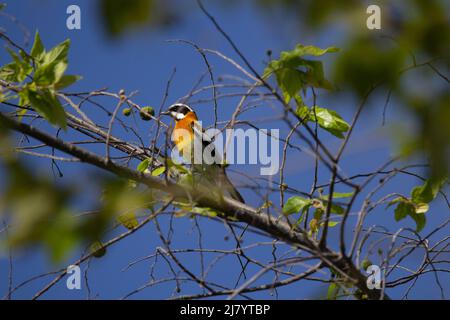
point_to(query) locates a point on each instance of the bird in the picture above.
(187, 129)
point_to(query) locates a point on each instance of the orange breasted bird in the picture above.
(186, 133)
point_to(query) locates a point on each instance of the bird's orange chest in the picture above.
(182, 134)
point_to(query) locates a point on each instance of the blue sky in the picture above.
(143, 61)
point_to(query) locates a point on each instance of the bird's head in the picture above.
(178, 111)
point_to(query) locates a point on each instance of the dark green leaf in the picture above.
(404, 209)
(420, 220)
(48, 106)
(97, 249)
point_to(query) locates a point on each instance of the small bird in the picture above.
(213, 175)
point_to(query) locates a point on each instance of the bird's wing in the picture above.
(206, 140)
(220, 177)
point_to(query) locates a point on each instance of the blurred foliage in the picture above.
(120, 15)
(40, 212)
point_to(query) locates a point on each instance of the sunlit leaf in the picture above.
(296, 204)
(38, 51)
(158, 171)
(330, 120)
(143, 165)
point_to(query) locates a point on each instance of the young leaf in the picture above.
(54, 64)
(158, 171)
(301, 50)
(49, 74)
(22, 67)
(143, 165)
(38, 51)
(296, 204)
(333, 291)
(58, 53)
(10, 72)
(330, 121)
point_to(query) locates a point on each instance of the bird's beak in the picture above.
(165, 113)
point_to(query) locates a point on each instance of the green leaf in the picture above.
(187, 208)
(309, 50)
(333, 223)
(338, 195)
(38, 51)
(143, 165)
(204, 211)
(290, 82)
(10, 72)
(47, 105)
(158, 171)
(407, 208)
(293, 72)
(333, 291)
(427, 192)
(66, 80)
(57, 53)
(22, 67)
(128, 220)
(315, 76)
(420, 220)
(54, 64)
(49, 74)
(330, 121)
(404, 209)
(337, 209)
(296, 204)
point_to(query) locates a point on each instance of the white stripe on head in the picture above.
(179, 110)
